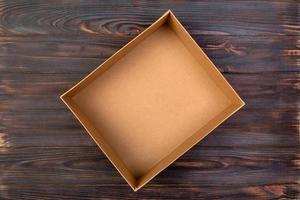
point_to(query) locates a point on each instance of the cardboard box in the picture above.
(152, 101)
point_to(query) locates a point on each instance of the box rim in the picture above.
(237, 103)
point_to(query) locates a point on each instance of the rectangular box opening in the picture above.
(152, 101)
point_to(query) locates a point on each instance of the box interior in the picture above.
(152, 101)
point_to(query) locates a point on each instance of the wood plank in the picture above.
(243, 129)
(203, 172)
(260, 91)
(254, 130)
(24, 18)
(33, 115)
(57, 191)
(232, 54)
(90, 165)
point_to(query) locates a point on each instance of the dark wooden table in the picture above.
(48, 46)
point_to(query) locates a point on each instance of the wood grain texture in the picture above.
(48, 46)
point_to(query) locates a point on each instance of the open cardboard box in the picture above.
(152, 100)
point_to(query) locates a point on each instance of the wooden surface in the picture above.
(48, 46)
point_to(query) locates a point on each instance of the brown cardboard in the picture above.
(152, 101)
